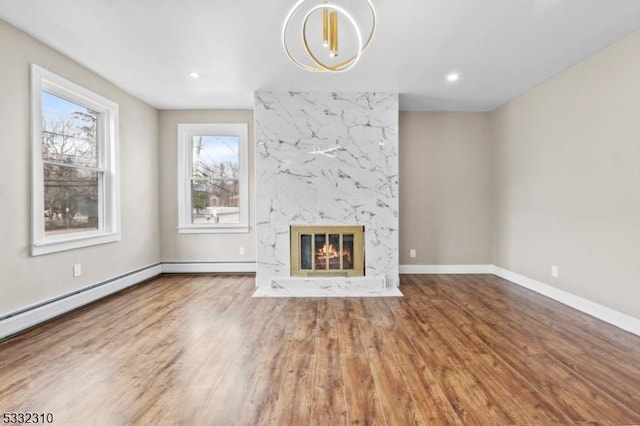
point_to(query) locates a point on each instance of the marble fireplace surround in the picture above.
(325, 158)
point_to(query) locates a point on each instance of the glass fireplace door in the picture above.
(327, 250)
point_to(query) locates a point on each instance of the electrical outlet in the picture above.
(412, 253)
(242, 251)
(555, 271)
(77, 270)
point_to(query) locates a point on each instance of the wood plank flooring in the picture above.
(198, 350)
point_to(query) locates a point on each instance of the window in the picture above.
(213, 178)
(74, 165)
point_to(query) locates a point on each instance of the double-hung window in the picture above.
(74, 165)
(213, 178)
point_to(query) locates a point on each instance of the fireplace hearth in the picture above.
(327, 251)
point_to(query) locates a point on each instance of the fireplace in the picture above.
(330, 251)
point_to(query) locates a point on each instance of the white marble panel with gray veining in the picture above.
(328, 287)
(326, 159)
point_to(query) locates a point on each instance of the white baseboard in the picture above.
(445, 269)
(31, 316)
(207, 267)
(620, 320)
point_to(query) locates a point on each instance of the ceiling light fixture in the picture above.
(323, 38)
(453, 77)
(194, 74)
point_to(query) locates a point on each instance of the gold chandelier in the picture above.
(324, 52)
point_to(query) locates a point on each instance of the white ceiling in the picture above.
(502, 48)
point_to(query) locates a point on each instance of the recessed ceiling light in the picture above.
(453, 77)
(194, 74)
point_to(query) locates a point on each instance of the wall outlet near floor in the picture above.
(555, 271)
(77, 270)
(412, 253)
(242, 251)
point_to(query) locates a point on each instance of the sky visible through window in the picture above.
(54, 107)
(68, 131)
(217, 149)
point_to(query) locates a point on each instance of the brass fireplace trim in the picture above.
(358, 248)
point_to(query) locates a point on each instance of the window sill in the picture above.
(71, 243)
(214, 230)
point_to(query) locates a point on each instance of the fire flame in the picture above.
(330, 251)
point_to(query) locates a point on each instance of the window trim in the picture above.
(185, 165)
(109, 216)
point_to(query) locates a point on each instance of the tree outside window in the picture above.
(70, 161)
(215, 177)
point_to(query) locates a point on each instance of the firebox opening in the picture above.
(327, 251)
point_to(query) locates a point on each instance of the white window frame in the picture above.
(108, 230)
(186, 132)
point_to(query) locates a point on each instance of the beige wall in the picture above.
(199, 247)
(445, 208)
(567, 179)
(27, 280)
(444, 190)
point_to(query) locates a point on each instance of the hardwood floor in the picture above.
(198, 350)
